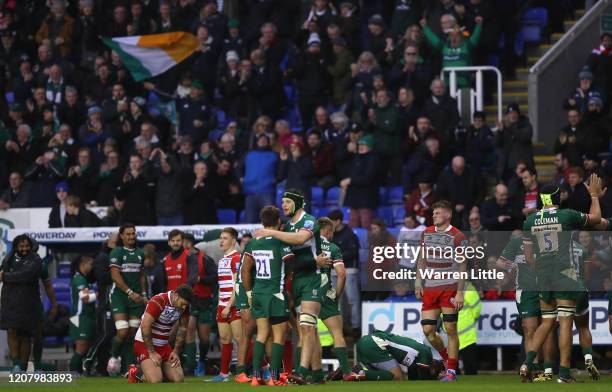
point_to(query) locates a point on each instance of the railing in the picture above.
(476, 94)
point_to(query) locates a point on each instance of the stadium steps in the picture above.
(545, 165)
(522, 73)
(514, 96)
(555, 37)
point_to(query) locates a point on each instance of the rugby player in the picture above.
(83, 315)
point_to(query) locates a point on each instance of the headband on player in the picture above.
(296, 198)
(549, 199)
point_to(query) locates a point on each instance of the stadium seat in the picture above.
(10, 97)
(399, 213)
(333, 197)
(226, 216)
(242, 217)
(534, 22)
(382, 194)
(395, 195)
(319, 211)
(316, 196)
(279, 194)
(64, 270)
(60, 284)
(394, 231)
(362, 234)
(221, 119)
(345, 213)
(216, 134)
(363, 256)
(386, 214)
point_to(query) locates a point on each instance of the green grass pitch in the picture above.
(485, 383)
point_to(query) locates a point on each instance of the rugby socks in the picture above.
(116, 347)
(203, 351)
(547, 368)
(276, 360)
(288, 356)
(37, 350)
(258, 354)
(587, 352)
(128, 354)
(564, 372)
(190, 354)
(76, 363)
(444, 354)
(317, 375)
(296, 357)
(342, 355)
(531, 356)
(452, 364)
(302, 370)
(538, 366)
(378, 375)
(226, 357)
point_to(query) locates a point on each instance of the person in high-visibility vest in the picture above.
(325, 336)
(467, 327)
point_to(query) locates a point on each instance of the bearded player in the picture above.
(302, 233)
(443, 295)
(157, 358)
(547, 243)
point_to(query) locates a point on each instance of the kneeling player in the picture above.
(386, 357)
(267, 296)
(156, 356)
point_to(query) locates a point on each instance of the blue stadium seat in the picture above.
(242, 217)
(399, 213)
(531, 34)
(333, 197)
(63, 270)
(362, 234)
(534, 21)
(319, 211)
(216, 134)
(61, 284)
(382, 194)
(386, 214)
(316, 195)
(395, 195)
(394, 231)
(10, 97)
(221, 118)
(226, 216)
(279, 195)
(363, 256)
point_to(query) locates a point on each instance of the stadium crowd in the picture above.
(289, 95)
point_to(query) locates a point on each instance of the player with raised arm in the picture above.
(547, 243)
(442, 294)
(302, 233)
(330, 307)
(266, 294)
(127, 305)
(228, 318)
(158, 360)
(384, 356)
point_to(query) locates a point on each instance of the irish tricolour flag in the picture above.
(150, 55)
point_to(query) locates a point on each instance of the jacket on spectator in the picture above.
(199, 207)
(514, 144)
(260, 172)
(65, 32)
(44, 177)
(363, 190)
(297, 174)
(386, 130)
(20, 297)
(139, 196)
(85, 218)
(478, 147)
(20, 199)
(491, 211)
(348, 242)
(169, 191)
(595, 134)
(340, 71)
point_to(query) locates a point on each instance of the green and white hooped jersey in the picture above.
(130, 262)
(309, 250)
(332, 251)
(269, 255)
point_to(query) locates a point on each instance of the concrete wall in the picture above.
(556, 74)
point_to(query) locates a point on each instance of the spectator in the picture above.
(226, 186)
(345, 151)
(18, 193)
(234, 41)
(579, 99)
(72, 111)
(79, 216)
(199, 197)
(567, 142)
(600, 63)
(412, 71)
(93, 133)
(265, 85)
(57, 217)
(57, 30)
(321, 153)
(513, 140)
(139, 190)
(377, 40)
(195, 114)
(309, 68)
(361, 196)
(594, 138)
(46, 171)
(592, 165)
(83, 178)
(478, 145)
(379, 236)
(296, 169)
(421, 199)
(426, 160)
(258, 183)
(204, 60)
(407, 109)
(21, 152)
(578, 197)
(498, 213)
(463, 187)
(115, 215)
(528, 194)
(109, 178)
(383, 121)
(20, 273)
(322, 122)
(283, 130)
(441, 109)
(474, 220)
(417, 135)
(562, 167)
(405, 14)
(348, 243)
(55, 85)
(456, 51)
(340, 72)
(169, 190)
(228, 148)
(362, 80)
